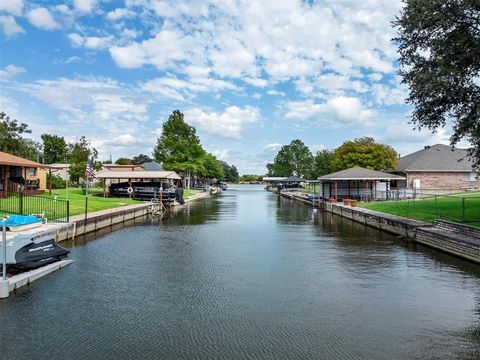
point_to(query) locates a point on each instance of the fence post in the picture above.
(463, 209)
(20, 203)
(68, 211)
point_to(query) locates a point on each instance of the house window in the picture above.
(32, 171)
(470, 176)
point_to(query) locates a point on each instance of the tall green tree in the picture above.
(213, 167)
(231, 172)
(12, 140)
(179, 148)
(124, 161)
(54, 149)
(294, 159)
(364, 152)
(439, 48)
(141, 159)
(322, 163)
(79, 152)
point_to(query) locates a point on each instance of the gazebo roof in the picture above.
(274, 178)
(138, 175)
(358, 173)
(294, 179)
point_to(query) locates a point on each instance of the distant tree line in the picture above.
(296, 159)
(178, 149)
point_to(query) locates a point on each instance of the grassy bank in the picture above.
(76, 196)
(460, 208)
(96, 201)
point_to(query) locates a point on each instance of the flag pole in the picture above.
(86, 201)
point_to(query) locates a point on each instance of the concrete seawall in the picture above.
(455, 240)
(99, 220)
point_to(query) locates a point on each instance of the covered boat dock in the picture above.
(360, 184)
(141, 184)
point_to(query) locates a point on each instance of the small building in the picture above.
(17, 173)
(360, 184)
(438, 167)
(60, 170)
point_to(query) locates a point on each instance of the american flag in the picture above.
(89, 169)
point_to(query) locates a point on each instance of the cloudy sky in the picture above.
(249, 75)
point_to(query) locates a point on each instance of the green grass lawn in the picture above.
(76, 196)
(460, 208)
(96, 201)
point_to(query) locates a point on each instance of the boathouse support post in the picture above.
(336, 191)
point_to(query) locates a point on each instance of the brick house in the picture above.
(438, 167)
(16, 171)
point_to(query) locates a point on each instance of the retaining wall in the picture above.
(447, 238)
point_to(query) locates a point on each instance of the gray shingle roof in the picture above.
(436, 158)
(152, 166)
(358, 173)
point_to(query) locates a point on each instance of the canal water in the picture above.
(247, 275)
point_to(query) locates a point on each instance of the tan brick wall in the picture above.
(441, 180)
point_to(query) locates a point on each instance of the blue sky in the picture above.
(250, 75)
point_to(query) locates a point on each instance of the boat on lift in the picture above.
(26, 253)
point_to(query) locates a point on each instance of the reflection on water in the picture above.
(242, 276)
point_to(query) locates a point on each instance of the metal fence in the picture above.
(50, 208)
(459, 208)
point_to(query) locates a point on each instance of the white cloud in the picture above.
(161, 51)
(10, 26)
(274, 147)
(230, 124)
(84, 5)
(119, 13)
(10, 71)
(90, 42)
(274, 92)
(9, 106)
(389, 95)
(261, 42)
(13, 7)
(42, 19)
(72, 59)
(337, 110)
(177, 89)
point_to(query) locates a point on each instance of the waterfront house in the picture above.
(19, 174)
(438, 167)
(359, 183)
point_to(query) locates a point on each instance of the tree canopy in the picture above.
(364, 152)
(80, 151)
(54, 149)
(231, 172)
(141, 159)
(213, 167)
(12, 140)
(179, 148)
(294, 159)
(124, 161)
(439, 48)
(322, 164)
